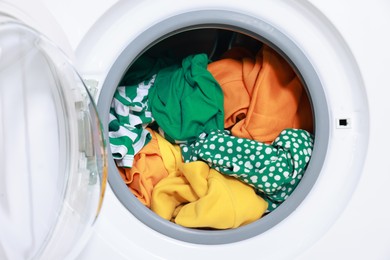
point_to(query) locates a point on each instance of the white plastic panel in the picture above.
(52, 158)
(344, 91)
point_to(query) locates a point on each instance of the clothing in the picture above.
(178, 96)
(274, 170)
(171, 156)
(146, 66)
(262, 94)
(201, 197)
(148, 169)
(129, 116)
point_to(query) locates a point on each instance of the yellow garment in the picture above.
(170, 154)
(202, 197)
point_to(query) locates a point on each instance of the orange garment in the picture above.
(147, 170)
(262, 94)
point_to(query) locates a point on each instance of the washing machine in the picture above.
(61, 195)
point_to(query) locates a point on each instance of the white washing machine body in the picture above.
(340, 212)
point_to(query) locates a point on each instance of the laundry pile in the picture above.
(212, 144)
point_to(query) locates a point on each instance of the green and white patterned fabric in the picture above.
(274, 170)
(129, 116)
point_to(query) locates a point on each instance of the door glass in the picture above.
(52, 155)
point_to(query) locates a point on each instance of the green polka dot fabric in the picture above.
(274, 170)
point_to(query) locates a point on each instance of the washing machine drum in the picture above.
(51, 154)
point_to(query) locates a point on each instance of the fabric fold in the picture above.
(147, 170)
(262, 94)
(203, 198)
(186, 100)
(274, 170)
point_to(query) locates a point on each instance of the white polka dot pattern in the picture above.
(274, 170)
